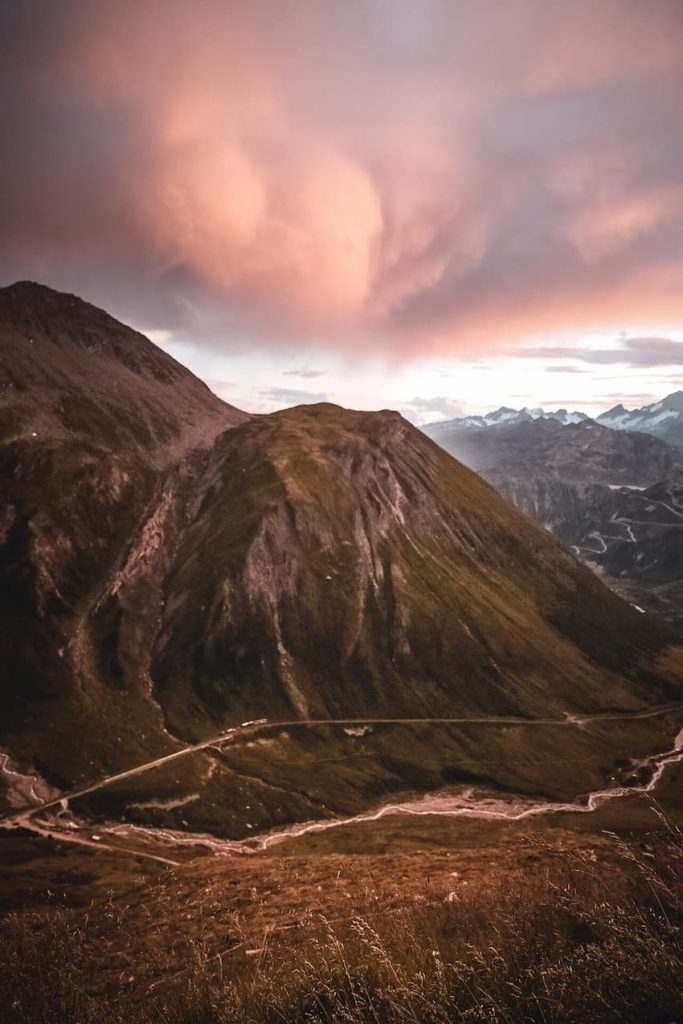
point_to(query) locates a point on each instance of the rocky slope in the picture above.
(70, 371)
(340, 565)
(101, 437)
(169, 568)
(578, 453)
(616, 497)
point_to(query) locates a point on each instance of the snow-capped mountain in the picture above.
(504, 415)
(663, 419)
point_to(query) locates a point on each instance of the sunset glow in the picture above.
(426, 203)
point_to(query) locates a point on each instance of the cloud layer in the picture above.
(634, 352)
(398, 177)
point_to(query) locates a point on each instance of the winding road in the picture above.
(464, 806)
(431, 804)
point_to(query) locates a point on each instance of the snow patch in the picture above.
(666, 415)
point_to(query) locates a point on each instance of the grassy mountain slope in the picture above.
(169, 568)
(101, 435)
(341, 563)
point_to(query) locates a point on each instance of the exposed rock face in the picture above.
(339, 563)
(165, 572)
(616, 497)
(662, 419)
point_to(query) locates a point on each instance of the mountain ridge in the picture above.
(503, 415)
(165, 579)
(662, 419)
(64, 364)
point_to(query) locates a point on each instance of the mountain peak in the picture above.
(673, 401)
(503, 416)
(663, 419)
(35, 289)
(66, 365)
(30, 300)
(614, 417)
(68, 319)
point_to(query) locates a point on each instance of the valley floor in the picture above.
(554, 918)
(464, 904)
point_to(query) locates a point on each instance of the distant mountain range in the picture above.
(662, 419)
(170, 567)
(501, 416)
(615, 496)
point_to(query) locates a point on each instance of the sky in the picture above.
(440, 206)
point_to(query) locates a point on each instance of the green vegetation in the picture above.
(392, 577)
(165, 578)
(281, 776)
(595, 934)
(95, 420)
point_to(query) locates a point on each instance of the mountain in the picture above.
(344, 539)
(582, 453)
(101, 438)
(170, 568)
(69, 370)
(615, 496)
(662, 419)
(499, 417)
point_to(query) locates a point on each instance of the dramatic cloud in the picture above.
(644, 352)
(392, 177)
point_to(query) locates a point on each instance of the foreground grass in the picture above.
(581, 944)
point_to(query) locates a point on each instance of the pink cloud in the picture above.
(399, 177)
